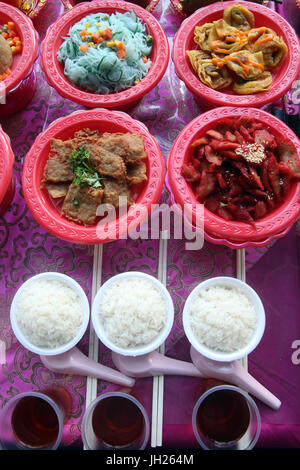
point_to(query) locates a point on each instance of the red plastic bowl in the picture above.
(41, 205)
(283, 76)
(54, 70)
(217, 230)
(22, 63)
(6, 172)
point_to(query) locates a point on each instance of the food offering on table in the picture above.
(92, 169)
(107, 53)
(262, 62)
(235, 52)
(49, 313)
(224, 319)
(91, 163)
(132, 313)
(17, 75)
(116, 52)
(10, 44)
(235, 173)
(240, 171)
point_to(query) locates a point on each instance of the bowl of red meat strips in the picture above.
(243, 165)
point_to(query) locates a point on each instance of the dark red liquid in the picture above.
(117, 421)
(223, 416)
(34, 422)
(63, 399)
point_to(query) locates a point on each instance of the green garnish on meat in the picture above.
(83, 172)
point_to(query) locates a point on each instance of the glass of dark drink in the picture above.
(31, 421)
(115, 420)
(226, 418)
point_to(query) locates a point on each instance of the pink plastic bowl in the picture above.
(6, 172)
(283, 76)
(54, 70)
(144, 194)
(21, 84)
(217, 230)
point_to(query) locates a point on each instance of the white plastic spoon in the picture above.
(75, 362)
(234, 373)
(153, 364)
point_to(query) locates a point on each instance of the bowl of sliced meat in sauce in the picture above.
(92, 177)
(242, 166)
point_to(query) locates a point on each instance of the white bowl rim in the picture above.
(86, 314)
(138, 350)
(220, 355)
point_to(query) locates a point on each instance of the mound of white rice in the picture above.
(223, 318)
(132, 312)
(49, 313)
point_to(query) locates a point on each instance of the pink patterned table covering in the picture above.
(26, 249)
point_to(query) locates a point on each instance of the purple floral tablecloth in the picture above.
(27, 249)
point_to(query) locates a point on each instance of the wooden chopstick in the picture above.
(241, 275)
(91, 385)
(160, 408)
(158, 381)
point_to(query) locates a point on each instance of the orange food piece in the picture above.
(5, 75)
(83, 47)
(107, 33)
(120, 50)
(95, 37)
(264, 38)
(17, 49)
(121, 54)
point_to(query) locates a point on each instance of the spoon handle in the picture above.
(75, 362)
(99, 371)
(246, 381)
(163, 365)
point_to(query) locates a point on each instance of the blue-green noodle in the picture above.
(99, 69)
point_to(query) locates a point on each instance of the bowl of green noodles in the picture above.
(105, 54)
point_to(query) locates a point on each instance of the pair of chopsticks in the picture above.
(91, 385)
(158, 381)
